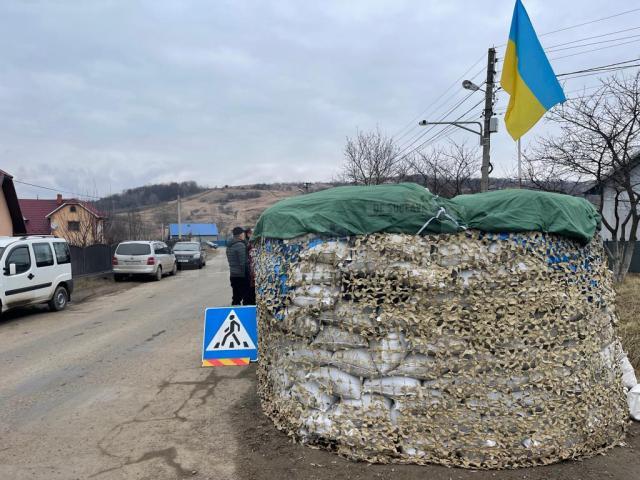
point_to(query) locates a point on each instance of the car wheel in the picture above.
(174, 270)
(158, 275)
(60, 299)
(200, 264)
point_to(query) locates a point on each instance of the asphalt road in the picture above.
(112, 388)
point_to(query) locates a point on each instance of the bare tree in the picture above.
(598, 141)
(372, 159)
(447, 171)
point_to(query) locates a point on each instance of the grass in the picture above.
(628, 308)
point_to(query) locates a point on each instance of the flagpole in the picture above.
(519, 165)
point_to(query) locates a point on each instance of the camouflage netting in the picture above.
(469, 349)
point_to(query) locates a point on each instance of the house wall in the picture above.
(91, 228)
(608, 209)
(6, 224)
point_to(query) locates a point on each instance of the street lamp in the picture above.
(469, 85)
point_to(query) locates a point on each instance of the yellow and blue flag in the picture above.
(527, 76)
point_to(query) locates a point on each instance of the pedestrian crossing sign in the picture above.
(230, 336)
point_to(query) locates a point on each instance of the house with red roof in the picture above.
(78, 222)
(11, 221)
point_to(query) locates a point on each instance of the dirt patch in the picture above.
(269, 453)
(89, 287)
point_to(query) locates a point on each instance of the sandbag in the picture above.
(389, 351)
(392, 386)
(633, 399)
(337, 382)
(333, 338)
(356, 361)
(310, 393)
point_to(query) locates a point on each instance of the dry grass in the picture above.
(628, 308)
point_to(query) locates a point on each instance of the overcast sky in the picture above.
(99, 95)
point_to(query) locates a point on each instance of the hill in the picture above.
(227, 206)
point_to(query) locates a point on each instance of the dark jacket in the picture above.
(237, 258)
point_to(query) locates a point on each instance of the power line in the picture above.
(595, 49)
(58, 190)
(432, 138)
(404, 148)
(591, 37)
(589, 22)
(591, 69)
(430, 109)
(599, 42)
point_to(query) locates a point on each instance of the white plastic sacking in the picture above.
(333, 338)
(305, 356)
(299, 322)
(628, 374)
(417, 365)
(363, 409)
(389, 351)
(349, 316)
(337, 382)
(356, 361)
(312, 394)
(392, 386)
(329, 252)
(320, 274)
(318, 423)
(320, 296)
(633, 399)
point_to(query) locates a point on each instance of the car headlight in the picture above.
(196, 255)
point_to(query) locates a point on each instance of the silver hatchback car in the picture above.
(143, 258)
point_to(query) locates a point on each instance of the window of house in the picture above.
(43, 254)
(72, 208)
(20, 256)
(62, 252)
(73, 226)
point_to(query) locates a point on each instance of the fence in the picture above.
(91, 259)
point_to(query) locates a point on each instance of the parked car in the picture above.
(35, 269)
(213, 245)
(190, 254)
(143, 258)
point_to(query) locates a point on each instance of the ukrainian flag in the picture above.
(527, 76)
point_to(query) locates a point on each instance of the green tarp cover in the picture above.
(530, 210)
(408, 207)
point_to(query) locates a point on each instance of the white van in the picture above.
(35, 269)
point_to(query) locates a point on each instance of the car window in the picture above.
(190, 247)
(43, 254)
(157, 247)
(21, 257)
(62, 252)
(133, 249)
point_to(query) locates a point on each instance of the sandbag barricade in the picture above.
(470, 349)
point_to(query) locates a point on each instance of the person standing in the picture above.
(250, 298)
(238, 267)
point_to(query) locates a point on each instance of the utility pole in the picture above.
(179, 219)
(488, 113)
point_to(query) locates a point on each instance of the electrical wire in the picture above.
(600, 42)
(404, 147)
(432, 107)
(594, 49)
(591, 38)
(431, 139)
(56, 190)
(446, 104)
(589, 22)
